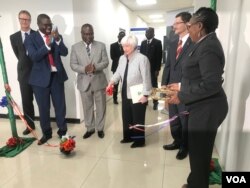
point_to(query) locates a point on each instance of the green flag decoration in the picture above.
(213, 4)
(15, 144)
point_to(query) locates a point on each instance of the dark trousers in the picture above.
(27, 102)
(55, 91)
(115, 92)
(133, 114)
(179, 127)
(154, 84)
(204, 119)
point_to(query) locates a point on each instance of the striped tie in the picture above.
(179, 49)
(88, 50)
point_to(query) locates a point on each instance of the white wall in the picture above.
(106, 16)
(234, 140)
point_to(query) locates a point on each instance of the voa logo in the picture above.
(236, 179)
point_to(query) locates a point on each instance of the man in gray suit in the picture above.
(89, 58)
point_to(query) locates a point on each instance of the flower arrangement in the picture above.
(67, 144)
(14, 141)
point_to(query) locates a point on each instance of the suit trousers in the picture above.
(27, 102)
(55, 90)
(179, 127)
(133, 114)
(154, 83)
(204, 119)
(89, 99)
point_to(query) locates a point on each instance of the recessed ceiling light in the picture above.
(146, 2)
(158, 20)
(155, 16)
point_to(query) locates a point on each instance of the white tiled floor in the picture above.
(96, 163)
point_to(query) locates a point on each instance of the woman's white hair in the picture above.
(130, 40)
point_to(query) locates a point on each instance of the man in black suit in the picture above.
(24, 66)
(48, 75)
(116, 51)
(172, 73)
(152, 48)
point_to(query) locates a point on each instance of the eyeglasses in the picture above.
(177, 23)
(24, 20)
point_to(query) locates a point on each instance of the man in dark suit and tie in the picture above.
(172, 73)
(24, 66)
(152, 48)
(48, 75)
(116, 51)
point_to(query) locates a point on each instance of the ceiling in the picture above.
(161, 7)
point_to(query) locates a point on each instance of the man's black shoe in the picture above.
(61, 133)
(182, 154)
(172, 146)
(115, 102)
(27, 131)
(88, 134)
(124, 141)
(43, 140)
(137, 144)
(100, 134)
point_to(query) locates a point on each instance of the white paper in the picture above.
(136, 92)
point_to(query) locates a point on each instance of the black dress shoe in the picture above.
(61, 133)
(27, 131)
(172, 146)
(124, 141)
(137, 144)
(182, 154)
(43, 140)
(100, 134)
(88, 134)
(115, 102)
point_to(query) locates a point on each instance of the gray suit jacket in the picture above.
(202, 71)
(79, 59)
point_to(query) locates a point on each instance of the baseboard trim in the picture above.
(68, 120)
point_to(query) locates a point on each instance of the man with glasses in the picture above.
(24, 65)
(172, 73)
(48, 75)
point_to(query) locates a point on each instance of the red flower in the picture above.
(13, 141)
(212, 166)
(67, 145)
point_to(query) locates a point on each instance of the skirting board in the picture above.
(68, 120)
